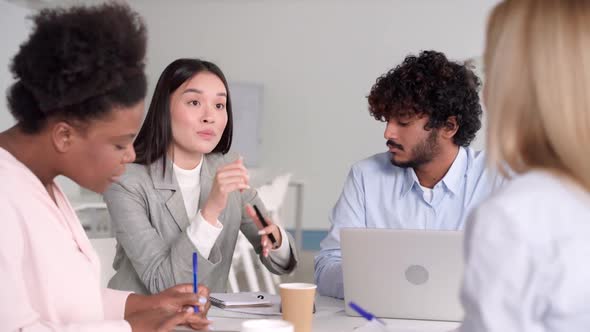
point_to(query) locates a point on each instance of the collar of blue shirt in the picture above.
(451, 181)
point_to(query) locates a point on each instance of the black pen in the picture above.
(264, 224)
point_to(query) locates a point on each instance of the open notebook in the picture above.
(237, 300)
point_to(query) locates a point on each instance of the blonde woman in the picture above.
(527, 247)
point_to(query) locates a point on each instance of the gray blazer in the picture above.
(149, 219)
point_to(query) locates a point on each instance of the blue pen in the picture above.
(195, 270)
(367, 315)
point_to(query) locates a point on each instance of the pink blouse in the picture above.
(49, 272)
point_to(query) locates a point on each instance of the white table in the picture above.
(330, 317)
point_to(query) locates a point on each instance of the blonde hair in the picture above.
(537, 89)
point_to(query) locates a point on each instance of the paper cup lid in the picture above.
(298, 285)
(264, 325)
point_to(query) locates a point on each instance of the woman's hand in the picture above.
(181, 296)
(160, 320)
(229, 178)
(273, 229)
(163, 311)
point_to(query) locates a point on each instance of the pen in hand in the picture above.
(264, 224)
(195, 281)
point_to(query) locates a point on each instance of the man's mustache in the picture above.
(392, 144)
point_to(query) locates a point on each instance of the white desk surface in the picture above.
(329, 317)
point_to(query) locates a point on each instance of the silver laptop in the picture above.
(406, 274)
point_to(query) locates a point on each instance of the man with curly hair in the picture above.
(429, 178)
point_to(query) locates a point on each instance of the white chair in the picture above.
(244, 259)
(95, 219)
(106, 248)
(273, 196)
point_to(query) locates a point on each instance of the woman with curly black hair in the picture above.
(429, 178)
(78, 102)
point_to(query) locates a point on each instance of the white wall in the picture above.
(13, 31)
(317, 60)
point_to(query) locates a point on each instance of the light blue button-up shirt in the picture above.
(379, 195)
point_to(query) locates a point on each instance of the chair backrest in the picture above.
(273, 195)
(106, 248)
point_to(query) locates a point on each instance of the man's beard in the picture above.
(423, 153)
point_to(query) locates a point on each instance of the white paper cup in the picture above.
(266, 325)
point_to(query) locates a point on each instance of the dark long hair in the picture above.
(155, 136)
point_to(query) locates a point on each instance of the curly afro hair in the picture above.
(430, 85)
(79, 63)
